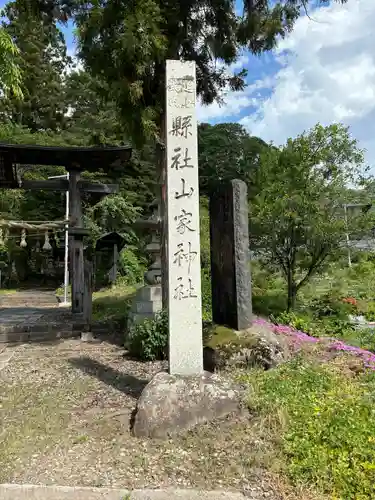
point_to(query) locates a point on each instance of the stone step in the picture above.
(5, 302)
(19, 337)
(14, 334)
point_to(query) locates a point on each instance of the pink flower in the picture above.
(298, 338)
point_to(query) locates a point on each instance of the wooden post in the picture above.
(115, 260)
(87, 301)
(77, 275)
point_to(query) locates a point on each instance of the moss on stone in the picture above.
(218, 336)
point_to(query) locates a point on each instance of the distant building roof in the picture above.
(108, 240)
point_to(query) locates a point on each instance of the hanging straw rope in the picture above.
(32, 235)
(32, 226)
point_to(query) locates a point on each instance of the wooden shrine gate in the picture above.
(75, 160)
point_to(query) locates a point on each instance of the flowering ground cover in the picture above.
(297, 339)
(320, 414)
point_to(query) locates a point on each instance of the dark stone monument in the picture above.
(230, 256)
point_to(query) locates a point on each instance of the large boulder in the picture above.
(170, 404)
(256, 346)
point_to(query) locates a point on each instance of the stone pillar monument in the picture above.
(230, 256)
(186, 396)
(183, 238)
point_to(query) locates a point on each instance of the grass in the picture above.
(312, 424)
(312, 419)
(34, 419)
(65, 420)
(321, 421)
(269, 288)
(113, 304)
(6, 291)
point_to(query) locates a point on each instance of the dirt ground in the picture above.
(65, 412)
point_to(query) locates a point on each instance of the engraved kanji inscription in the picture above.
(184, 292)
(184, 222)
(184, 194)
(181, 126)
(179, 103)
(180, 85)
(179, 161)
(184, 254)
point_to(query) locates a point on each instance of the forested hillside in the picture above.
(52, 100)
(63, 105)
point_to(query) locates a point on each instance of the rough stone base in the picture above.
(170, 404)
(256, 346)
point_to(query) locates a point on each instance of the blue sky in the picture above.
(324, 71)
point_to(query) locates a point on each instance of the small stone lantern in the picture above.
(148, 299)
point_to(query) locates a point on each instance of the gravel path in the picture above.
(65, 411)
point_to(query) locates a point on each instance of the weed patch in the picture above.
(326, 424)
(113, 304)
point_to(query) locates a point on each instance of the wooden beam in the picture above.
(49, 185)
(92, 187)
(63, 185)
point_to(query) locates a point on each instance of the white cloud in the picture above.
(327, 75)
(234, 102)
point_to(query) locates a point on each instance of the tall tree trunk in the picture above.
(161, 165)
(292, 292)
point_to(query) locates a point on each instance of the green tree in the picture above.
(226, 152)
(10, 72)
(92, 114)
(298, 219)
(93, 119)
(43, 60)
(128, 41)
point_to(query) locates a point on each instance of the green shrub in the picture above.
(335, 327)
(366, 338)
(326, 422)
(361, 337)
(206, 295)
(268, 290)
(329, 304)
(299, 322)
(370, 311)
(328, 326)
(148, 340)
(131, 267)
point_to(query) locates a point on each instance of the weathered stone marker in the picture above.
(183, 239)
(186, 396)
(230, 256)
